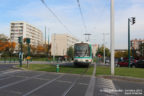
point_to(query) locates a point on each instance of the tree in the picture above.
(3, 37)
(123, 54)
(40, 49)
(70, 52)
(7, 47)
(101, 50)
(33, 49)
(141, 49)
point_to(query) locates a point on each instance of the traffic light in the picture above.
(27, 40)
(20, 39)
(133, 20)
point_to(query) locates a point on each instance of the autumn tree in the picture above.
(40, 49)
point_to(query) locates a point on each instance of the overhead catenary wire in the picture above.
(82, 17)
(66, 28)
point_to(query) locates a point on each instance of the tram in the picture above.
(82, 54)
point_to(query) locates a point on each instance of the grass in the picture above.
(39, 59)
(100, 70)
(121, 71)
(63, 69)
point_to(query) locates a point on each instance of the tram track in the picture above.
(75, 82)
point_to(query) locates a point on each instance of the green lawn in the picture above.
(121, 71)
(63, 69)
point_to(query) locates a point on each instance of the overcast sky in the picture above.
(96, 14)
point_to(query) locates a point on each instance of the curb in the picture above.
(17, 67)
(122, 78)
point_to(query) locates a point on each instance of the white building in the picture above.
(94, 49)
(60, 44)
(18, 29)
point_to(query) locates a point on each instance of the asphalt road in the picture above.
(35, 83)
(4, 67)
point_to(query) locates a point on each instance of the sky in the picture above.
(96, 15)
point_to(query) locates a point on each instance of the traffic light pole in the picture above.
(20, 53)
(21, 56)
(129, 58)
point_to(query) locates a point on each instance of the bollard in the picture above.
(57, 68)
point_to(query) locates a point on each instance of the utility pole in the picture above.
(112, 37)
(132, 19)
(54, 49)
(87, 34)
(45, 36)
(45, 46)
(48, 42)
(104, 45)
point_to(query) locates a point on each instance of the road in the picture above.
(14, 82)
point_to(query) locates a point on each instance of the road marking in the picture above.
(83, 84)
(9, 71)
(90, 89)
(107, 86)
(6, 78)
(63, 81)
(20, 81)
(30, 92)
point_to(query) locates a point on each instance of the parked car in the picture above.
(107, 61)
(124, 63)
(138, 64)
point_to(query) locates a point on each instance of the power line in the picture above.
(56, 17)
(82, 17)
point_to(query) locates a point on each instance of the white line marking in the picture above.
(30, 92)
(63, 81)
(19, 81)
(90, 89)
(6, 78)
(83, 84)
(9, 71)
(108, 85)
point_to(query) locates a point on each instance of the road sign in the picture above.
(99, 55)
(28, 58)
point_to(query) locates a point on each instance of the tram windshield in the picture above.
(81, 50)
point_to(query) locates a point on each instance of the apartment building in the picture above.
(26, 30)
(60, 43)
(135, 43)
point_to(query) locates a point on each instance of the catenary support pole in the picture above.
(112, 37)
